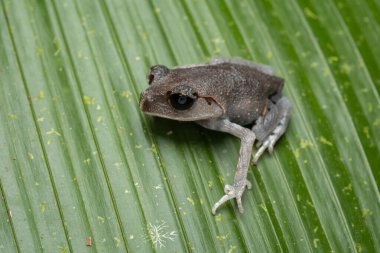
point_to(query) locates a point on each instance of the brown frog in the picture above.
(224, 94)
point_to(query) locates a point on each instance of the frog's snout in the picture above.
(145, 99)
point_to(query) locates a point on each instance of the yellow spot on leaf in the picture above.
(117, 241)
(305, 143)
(41, 95)
(53, 131)
(315, 242)
(88, 100)
(332, 59)
(314, 64)
(63, 249)
(366, 132)
(359, 247)
(31, 156)
(345, 68)
(347, 189)
(263, 206)
(309, 203)
(218, 217)
(222, 237)
(221, 178)
(324, 141)
(12, 115)
(366, 212)
(126, 94)
(101, 219)
(296, 152)
(43, 206)
(153, 149)
(310, 14)
(190, 200)
(58, 46)
(232, 248)
(100, 119)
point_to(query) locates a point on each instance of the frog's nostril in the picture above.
(146, 96)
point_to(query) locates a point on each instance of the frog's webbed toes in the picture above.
(232, 191)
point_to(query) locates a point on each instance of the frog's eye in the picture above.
(156, 72)
(181, 102)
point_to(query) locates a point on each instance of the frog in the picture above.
(231, 95)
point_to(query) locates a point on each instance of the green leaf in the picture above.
(82, 168)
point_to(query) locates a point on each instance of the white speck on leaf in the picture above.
(158, 187)
(159, 234)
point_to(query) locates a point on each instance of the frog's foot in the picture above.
(269, 142)
(272, 126)
(233, 191)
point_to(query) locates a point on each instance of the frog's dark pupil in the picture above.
(181, 102)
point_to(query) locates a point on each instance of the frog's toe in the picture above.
(271, 127)
(271, 140)
(259, 153)
(232, 192)
(221, 201)
(267, 144)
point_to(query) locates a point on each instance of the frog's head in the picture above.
(172, 96)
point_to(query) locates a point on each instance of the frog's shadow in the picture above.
(182, 132)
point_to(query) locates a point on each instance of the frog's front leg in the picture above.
(240, 182)
(270, 127)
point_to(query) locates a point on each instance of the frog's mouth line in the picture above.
(176, 118)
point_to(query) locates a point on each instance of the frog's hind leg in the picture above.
(271, 126)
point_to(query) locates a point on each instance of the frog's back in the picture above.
(247, 91)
